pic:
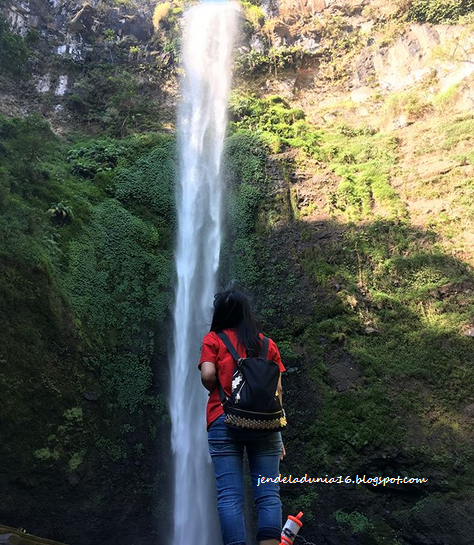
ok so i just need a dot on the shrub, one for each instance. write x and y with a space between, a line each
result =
411 103
96 156
150 182
275 120
439 11
275 60
161 11
254 14
13 51
119 277
125 377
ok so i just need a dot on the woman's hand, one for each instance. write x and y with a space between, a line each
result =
283 451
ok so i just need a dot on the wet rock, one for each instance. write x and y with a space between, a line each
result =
256 44
450 522
19 536
61 87
343 370
73 479
138 25
43 85
92 395
468 410
282 35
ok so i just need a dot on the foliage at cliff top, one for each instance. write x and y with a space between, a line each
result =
438 11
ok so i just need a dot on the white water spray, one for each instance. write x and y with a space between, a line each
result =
207 58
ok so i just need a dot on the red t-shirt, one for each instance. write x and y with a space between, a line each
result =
215 351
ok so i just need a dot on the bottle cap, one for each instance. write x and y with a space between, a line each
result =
297 518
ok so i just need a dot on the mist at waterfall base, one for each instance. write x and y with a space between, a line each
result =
209 31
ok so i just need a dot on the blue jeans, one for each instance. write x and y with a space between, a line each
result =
226 447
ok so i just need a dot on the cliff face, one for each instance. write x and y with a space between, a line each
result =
65 25
349 220
380 51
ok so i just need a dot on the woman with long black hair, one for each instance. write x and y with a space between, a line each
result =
233 316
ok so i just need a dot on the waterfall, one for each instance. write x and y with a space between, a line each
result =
209 31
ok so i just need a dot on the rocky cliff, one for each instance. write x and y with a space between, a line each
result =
350 165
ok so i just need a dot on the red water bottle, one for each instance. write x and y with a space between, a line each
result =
291 529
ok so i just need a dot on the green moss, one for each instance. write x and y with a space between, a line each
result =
113 99
410 103
362 158
364 162
110 449
46 455
275 121
126 378
388 276
357 521
253 14
74 415
459 130
76 460
84 299
274 61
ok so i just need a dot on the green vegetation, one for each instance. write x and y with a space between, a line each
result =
357 521
369 312
364 160
361 157
246 177
254 15
126 378
120 266
340 42
86 275
274 61
439 11
390 275
278 125
13 51
410 103
378 334
113 98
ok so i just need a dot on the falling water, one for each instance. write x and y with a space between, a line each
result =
207 58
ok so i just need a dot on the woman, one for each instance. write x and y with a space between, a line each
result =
233 316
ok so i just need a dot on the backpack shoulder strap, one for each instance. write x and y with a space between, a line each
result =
230 347
264 349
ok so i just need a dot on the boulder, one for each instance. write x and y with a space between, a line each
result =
84 20
19 536
289 9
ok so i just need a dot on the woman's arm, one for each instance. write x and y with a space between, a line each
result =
280 395
208 375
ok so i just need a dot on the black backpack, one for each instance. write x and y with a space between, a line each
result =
253 403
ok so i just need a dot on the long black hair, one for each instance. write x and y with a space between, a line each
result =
232 310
